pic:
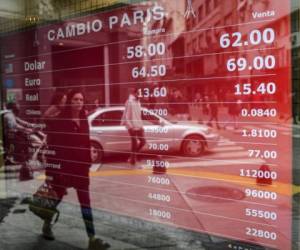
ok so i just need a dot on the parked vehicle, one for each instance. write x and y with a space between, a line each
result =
108 136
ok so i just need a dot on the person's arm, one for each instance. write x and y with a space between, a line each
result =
87 144
51 111
128 115
24 126
123 119
10 120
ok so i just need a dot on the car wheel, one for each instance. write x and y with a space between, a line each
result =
96 152
193 145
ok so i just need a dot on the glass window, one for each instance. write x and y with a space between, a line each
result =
208 6
224 173
149 119
200 13
216 3
110 118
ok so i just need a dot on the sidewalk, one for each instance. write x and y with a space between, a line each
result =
20 229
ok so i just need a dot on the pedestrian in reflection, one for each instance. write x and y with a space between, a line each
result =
197 99
57 104
214 112
171 108
96 103
181 107
71 143
52 113
233 112
14 122
16 131
197 102
132 119
205 106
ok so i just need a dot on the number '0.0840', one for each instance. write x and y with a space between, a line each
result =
259 113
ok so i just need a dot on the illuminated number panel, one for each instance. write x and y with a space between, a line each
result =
214 84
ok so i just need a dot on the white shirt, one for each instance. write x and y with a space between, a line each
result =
9 120
132 116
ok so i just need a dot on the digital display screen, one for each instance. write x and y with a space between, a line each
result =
187 104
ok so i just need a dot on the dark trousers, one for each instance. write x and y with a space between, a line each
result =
214 116
137 142
85 204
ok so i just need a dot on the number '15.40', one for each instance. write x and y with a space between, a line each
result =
249 89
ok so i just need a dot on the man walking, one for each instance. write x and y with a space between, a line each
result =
132 119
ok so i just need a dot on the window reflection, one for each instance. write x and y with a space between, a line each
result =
188 119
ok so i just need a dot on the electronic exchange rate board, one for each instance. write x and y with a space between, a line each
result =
214 82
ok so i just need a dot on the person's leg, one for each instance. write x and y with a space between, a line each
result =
86 211
142 141
217 121
87 215
141 138
226 122
47 226
234 118
134 146
211 117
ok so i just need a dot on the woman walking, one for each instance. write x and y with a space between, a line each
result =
71 143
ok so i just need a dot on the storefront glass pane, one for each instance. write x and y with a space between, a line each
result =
162 124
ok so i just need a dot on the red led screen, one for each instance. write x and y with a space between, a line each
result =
213 82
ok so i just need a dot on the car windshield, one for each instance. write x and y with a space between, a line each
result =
110 118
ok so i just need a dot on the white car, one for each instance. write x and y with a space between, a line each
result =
108 136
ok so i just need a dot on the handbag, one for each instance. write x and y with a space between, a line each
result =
44 203
25 173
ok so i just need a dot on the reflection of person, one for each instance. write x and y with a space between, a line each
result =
198 99
205 105
57 104
53 111
132 119
181 108
70 167
96 103
213 106
16 131
197 107
13 122
233 112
